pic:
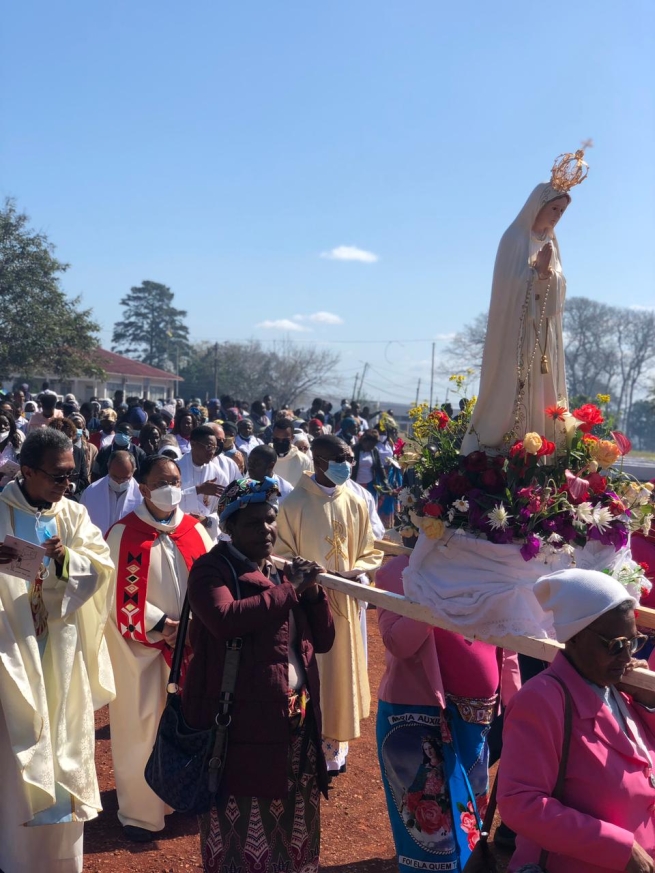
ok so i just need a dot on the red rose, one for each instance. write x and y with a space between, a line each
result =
429 816
413 799
547 448
588 415
597 483
440 418
433 510
516 449
493 480
476 462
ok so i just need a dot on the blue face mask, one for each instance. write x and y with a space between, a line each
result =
122 440
79 432
338 472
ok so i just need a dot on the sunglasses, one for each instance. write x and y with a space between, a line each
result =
616 646
59 478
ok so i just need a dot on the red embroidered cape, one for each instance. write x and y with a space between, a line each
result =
132 572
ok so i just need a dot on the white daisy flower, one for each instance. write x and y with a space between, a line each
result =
461 505
583 512
498 517
554 538
406 497
601 518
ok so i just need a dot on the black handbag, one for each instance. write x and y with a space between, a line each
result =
185 766
482 859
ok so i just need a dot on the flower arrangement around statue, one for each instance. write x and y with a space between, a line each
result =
547 500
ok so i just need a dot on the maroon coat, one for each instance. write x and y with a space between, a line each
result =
259 735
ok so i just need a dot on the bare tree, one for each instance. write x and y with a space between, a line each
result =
466 347
635 339
590 347
248 371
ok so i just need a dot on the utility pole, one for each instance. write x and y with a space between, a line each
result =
215 369
361 384
354 397
418 391
432 376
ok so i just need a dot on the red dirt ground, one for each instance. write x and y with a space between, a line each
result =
356 837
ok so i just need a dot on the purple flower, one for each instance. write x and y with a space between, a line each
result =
524 514
530 549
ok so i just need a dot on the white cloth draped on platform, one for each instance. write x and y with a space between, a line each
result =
484 589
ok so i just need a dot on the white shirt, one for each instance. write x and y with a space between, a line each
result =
376 523
185 445
285 487
293 465
105 507
192 476
246 446
365 469
385 450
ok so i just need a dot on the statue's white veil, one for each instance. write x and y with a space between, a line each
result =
493 416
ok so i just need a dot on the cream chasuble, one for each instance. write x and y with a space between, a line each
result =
335 531
49 689
292 466
142 673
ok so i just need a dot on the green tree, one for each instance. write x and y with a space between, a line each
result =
152 329
41 330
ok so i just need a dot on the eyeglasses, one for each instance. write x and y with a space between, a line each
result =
339 459
59 478
616 646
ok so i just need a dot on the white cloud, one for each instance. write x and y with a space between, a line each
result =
282 324
637 307
320 318
446 337
350 253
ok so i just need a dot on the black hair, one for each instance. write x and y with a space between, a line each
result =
148 463
41 441
13 438
283 424
203 430
267 453
183 413
327 442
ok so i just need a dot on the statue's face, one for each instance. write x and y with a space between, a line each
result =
550 214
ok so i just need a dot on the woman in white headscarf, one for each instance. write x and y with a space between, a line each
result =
523 361
595 811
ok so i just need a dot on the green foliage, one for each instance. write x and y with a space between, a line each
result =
41 330
152 329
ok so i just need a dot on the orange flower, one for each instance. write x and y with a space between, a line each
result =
556 412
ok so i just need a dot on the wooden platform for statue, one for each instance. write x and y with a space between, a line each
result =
544 650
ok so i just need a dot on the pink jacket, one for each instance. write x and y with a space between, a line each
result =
412 675
608 800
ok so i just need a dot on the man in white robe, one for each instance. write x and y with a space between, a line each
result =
115 495
153 549
204 478
291 462
54 666
246 440
323 520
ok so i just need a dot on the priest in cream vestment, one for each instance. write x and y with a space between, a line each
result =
153 549
324 521
54 666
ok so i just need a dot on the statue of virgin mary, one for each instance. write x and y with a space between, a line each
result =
523 369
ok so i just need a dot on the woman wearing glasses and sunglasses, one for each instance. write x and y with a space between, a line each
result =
604 817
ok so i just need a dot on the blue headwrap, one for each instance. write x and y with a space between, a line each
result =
241 492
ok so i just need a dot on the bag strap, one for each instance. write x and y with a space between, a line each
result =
558 790
178 653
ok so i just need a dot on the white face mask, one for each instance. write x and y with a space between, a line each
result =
166 497
118 487
3 435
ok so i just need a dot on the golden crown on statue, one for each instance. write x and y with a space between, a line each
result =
570 169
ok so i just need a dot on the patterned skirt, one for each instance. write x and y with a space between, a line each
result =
260 835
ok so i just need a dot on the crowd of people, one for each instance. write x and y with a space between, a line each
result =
128 506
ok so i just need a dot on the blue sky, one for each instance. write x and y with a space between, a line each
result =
222 148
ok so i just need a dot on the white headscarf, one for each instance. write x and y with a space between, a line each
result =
577 598
493 415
